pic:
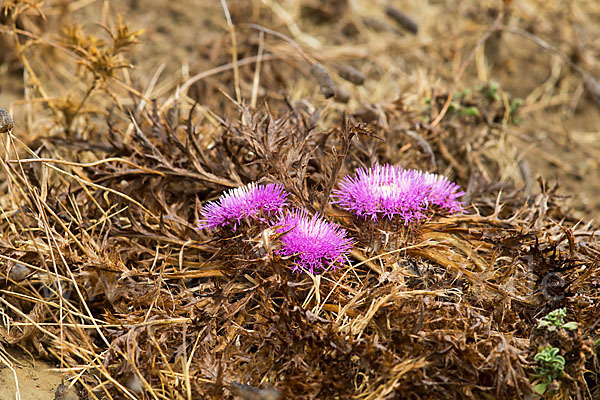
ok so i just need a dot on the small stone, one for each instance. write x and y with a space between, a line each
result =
6 121
341 95
19 272
64 392
247 392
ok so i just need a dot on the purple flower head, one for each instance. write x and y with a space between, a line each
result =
442 192
388 191
317 243
251 201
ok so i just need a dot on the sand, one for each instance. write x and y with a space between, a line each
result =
36 380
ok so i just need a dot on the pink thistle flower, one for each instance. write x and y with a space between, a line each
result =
316 243
388 191
251 201
442 192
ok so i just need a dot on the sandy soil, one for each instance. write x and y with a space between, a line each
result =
36 381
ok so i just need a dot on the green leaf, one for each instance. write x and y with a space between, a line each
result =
514 104
470 112
543 324
570 326
453 106
540 388
492 90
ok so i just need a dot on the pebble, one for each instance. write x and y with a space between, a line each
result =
6 121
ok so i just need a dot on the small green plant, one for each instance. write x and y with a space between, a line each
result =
491 90
551 366
514 105
471 111
555 319
466 93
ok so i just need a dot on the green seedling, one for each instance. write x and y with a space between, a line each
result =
459 94
453 106
469 111
491 90
514 104
551 366
555 320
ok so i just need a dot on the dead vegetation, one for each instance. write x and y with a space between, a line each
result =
104 272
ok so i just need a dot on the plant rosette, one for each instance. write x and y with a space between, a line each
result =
552 331
551 366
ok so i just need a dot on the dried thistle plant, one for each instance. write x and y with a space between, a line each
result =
99 58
